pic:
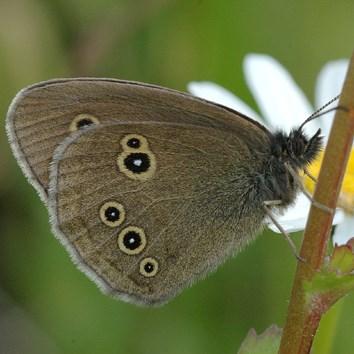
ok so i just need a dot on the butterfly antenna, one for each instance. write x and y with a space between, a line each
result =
321 112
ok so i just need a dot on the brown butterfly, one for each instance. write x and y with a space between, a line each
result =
148 188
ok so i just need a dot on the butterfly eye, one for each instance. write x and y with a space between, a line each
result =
112 213
149 267
132 240
82 121
134 142
137 165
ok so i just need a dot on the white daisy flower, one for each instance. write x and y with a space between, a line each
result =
283 105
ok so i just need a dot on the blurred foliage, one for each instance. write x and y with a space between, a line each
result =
46 304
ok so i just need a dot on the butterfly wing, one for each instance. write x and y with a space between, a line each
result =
146 208
43 115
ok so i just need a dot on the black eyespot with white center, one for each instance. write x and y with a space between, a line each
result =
132 240
112 213
134 143
137 162
149 267
137 165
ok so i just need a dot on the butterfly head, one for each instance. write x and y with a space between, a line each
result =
297 148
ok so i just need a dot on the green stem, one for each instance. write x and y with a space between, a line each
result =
303 317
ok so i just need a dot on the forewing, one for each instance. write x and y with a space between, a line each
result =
43 115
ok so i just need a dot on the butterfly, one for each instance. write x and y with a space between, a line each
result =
150 189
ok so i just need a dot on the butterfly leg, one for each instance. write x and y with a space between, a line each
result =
306 193
272 217
308 174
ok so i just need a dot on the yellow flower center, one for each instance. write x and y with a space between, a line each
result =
346 196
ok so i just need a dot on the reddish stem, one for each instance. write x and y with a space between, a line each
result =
304 316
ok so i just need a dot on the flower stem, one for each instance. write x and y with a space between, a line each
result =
303 315
324 339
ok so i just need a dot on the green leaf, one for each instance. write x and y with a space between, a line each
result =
335 280
265 343
342 259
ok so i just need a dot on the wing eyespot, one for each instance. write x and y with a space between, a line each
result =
132 240
137 165
138 162
82 121
134 142
112 213
148 267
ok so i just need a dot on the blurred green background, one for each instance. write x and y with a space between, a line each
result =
46 304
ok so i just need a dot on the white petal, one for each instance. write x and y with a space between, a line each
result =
329 84
295 218
344 231
280 100
289 226
215 93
